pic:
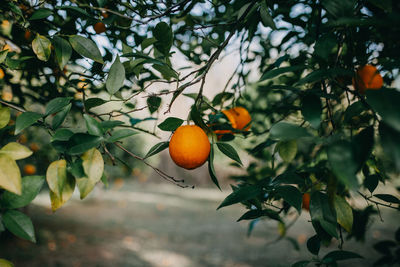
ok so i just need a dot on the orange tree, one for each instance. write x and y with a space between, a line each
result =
325 113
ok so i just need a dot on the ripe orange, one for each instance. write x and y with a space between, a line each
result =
99 27
34 147
1 74
29 169
239 117
7 47
189 147
306 201
367 78
28 35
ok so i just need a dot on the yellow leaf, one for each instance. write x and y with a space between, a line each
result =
56 177
68 190
4 116
93 164
16 151
10 176
6 263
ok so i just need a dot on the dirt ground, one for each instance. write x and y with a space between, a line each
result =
159 225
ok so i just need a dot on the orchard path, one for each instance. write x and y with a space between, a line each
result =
159 225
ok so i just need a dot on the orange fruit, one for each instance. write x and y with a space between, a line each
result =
367 78
29 169
104 14
7 47
239 117
306 201
34 147
99 27
189 147
22 139
28 35
2 74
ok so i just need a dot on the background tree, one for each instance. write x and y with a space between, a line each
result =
325 116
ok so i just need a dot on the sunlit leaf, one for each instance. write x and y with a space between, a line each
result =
10 176
42 47
15 151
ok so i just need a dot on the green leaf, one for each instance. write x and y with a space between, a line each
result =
388 198
275 72
287 150
4 116
19 224
57 104
93 166
62 135
163 33
93 102
76 10
343 165
56 176
390 140
15 151
339 255
321 212
254 214
6 263
86 48
93 126
371 182
353 110
386 103
325 45
314 244
153 103
266 18
15 9
42 47
170 124
157 148
229 151
166 71
363 143
311 109
211 169
3 55
41 13
120 134
291 195
197 118
116 77
344 213
60 116
286 131
31 186
63 51
241 194
83 142
10 176
25 120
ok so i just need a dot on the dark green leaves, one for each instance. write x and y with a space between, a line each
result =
291 195
41 13
371 182
31 186
254 214
57 104
241 194
25 120
314 244
163 33
63 51
288 131
363 144
229 151
116 77
287 150
86 48
344 213
321 212
211 169
19 224
153 103
170 124
157 148
266 18
311 109
386 103
275 72
94 102
339 255
343 165
388 198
